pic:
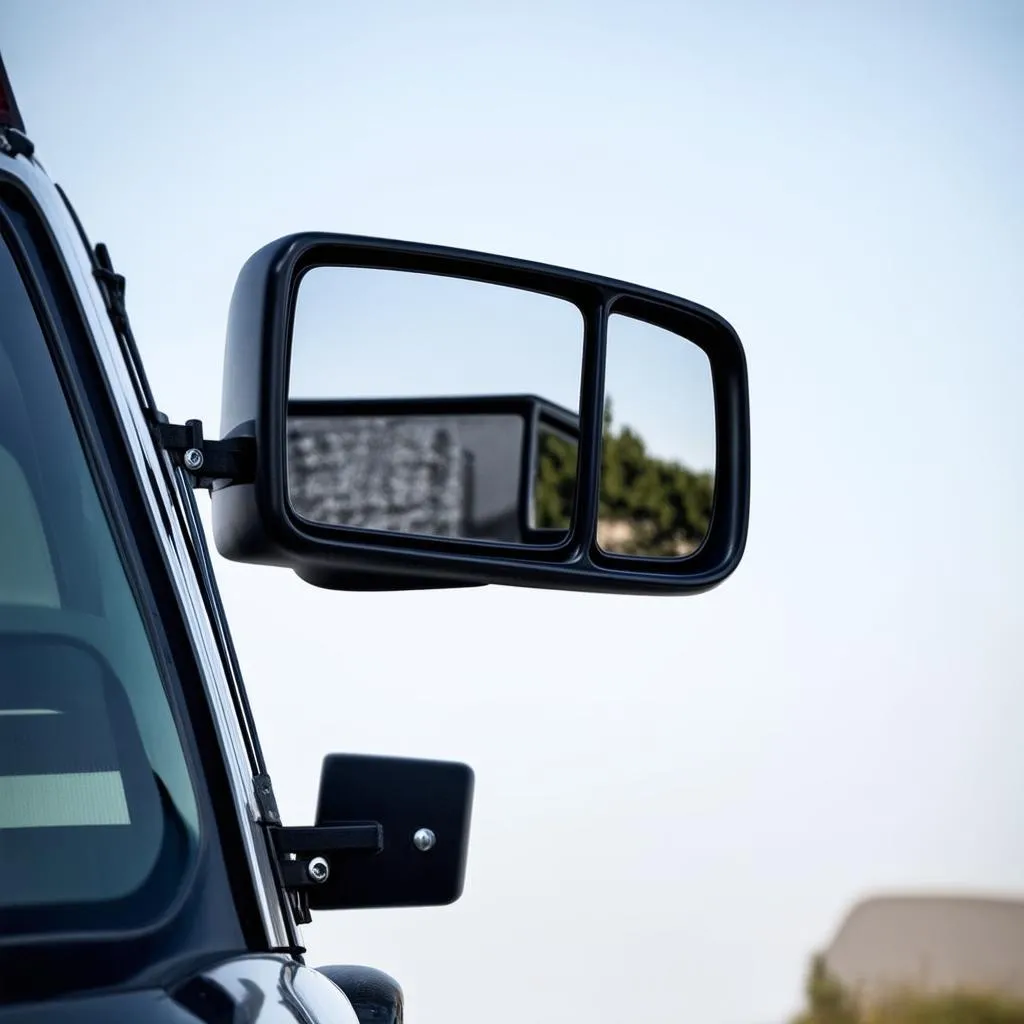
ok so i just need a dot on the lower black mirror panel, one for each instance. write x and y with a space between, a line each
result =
390 832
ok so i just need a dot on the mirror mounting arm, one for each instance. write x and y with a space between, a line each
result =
305 854
230 461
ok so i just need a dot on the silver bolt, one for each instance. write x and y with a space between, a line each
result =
318 869
193 459
423 839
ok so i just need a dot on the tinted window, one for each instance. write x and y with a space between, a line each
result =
98 817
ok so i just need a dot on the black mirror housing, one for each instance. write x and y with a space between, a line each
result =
253 521
389 832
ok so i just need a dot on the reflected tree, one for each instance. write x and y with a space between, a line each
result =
648 506
555 486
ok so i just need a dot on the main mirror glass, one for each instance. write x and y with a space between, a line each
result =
658 451
417 404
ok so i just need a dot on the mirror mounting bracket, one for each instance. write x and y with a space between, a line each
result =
304 856
230 461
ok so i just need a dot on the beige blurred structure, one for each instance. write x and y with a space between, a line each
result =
930 943
404 475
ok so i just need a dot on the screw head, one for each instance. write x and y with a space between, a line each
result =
318 869
193 459
424 839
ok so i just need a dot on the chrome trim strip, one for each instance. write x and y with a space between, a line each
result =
152 473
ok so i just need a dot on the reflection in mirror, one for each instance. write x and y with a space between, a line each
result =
554 486
429 474
658 451
399 414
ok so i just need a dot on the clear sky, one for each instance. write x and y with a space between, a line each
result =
365 333
677 799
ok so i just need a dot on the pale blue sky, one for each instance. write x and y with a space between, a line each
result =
842 182
377 333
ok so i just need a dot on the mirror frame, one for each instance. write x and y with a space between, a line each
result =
253 522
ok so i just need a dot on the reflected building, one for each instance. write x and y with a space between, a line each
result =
380 474
443 476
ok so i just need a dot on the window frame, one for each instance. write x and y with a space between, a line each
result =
214 907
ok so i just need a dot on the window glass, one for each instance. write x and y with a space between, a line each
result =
98 816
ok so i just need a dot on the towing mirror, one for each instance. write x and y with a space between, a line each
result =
431 417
